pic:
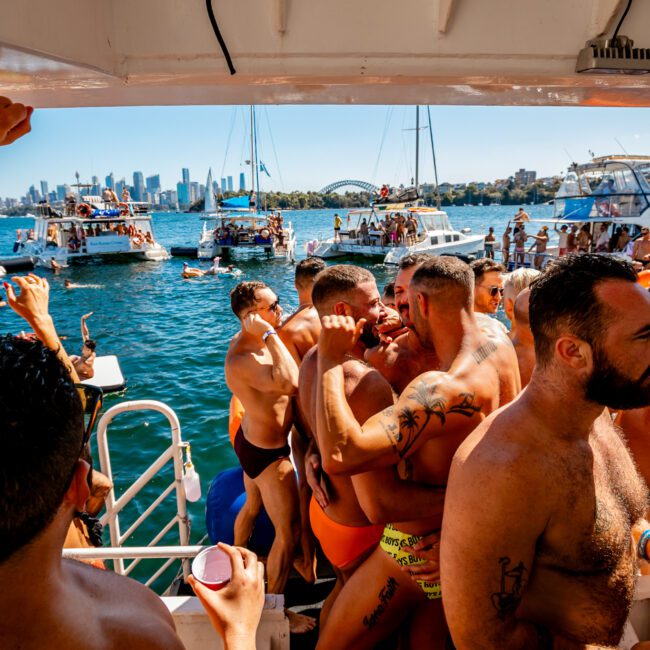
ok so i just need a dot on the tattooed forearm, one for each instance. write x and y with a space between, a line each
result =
466 405
513 581
484 351
386 594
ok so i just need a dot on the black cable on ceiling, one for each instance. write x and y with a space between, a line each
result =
217 33
620 22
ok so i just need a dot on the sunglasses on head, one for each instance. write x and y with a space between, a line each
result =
494 291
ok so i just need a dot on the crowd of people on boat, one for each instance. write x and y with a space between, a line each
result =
426 474
394 229
233 234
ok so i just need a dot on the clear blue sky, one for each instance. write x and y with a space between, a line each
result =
315 145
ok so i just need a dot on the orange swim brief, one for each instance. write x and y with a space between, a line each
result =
341 544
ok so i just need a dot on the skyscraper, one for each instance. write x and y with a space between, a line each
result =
230 184
119 186
186 175
153 183
95 189
138 186
44 189
183 190
224 187
60 192
110 181
242 181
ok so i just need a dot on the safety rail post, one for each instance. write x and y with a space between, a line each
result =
113 506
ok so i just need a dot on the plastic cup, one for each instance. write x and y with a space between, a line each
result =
211 567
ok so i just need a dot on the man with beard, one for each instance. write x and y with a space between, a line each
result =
537 545
348 525
431 418
401 359
263 376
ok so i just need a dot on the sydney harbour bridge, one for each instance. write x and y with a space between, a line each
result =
366 187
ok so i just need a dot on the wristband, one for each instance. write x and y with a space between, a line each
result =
642 548
268 333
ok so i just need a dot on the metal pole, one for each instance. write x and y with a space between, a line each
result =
252 154
435 167
257 164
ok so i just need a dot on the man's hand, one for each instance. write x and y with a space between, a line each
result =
339 335
235 610
14 120
32 301
428 549
255 325
88 315
391 327
314 475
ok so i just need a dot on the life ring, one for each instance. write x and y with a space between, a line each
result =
84 210
124 209
265 233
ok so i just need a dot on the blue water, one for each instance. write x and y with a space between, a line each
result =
171 337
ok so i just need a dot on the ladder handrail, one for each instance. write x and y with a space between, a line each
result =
174 451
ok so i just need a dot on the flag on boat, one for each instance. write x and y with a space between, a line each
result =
264 169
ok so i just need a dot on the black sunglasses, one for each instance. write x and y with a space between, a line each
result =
495 290
92 398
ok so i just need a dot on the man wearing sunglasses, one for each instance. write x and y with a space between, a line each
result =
263 376
488 285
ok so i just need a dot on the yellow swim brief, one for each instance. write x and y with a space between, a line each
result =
392 541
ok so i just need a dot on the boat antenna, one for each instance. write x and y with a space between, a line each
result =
217 33
417 147
573 162
257 165
435 167
621 146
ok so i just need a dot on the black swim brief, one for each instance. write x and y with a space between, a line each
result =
253 459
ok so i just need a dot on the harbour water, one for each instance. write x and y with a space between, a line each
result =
171 336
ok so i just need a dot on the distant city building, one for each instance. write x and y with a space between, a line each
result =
186 175
230 184
110 181
153 183
61 192
44 189
242 181
183 192
94 189
215 187
119 186
224 185
445 188
51 197
525 177
195 191
138 186
33 195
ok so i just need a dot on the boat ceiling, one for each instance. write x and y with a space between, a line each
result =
164 52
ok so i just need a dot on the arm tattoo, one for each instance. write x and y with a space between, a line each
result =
513 582
466 406
484 351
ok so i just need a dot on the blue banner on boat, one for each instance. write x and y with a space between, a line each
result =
105 213
235 202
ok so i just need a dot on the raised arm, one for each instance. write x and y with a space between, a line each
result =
32 304
495 513
85 334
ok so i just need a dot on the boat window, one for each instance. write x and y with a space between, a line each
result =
434 241
447 238
572 185
456 237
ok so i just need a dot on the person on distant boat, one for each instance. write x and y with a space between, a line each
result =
384 192
563 235
601 241
14 120
547 484
337 227
583 239
489 243
520 237
641 248
126 195
623 240
521 216
505 246
263 375
572 240
541 241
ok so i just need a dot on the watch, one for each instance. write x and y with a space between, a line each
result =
268 333
642 548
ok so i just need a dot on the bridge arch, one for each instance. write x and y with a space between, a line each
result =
365 186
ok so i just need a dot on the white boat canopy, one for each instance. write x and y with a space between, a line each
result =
163 52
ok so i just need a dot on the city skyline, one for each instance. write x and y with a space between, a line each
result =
306 147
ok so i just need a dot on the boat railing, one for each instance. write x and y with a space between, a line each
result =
115 506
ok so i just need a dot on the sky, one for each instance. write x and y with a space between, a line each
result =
308 147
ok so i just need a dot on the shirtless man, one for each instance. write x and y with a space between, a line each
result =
403 357
348 526
299 333
513 284
431 418
522 337
263 376
505 246
84 364
641 248
488 285
541 241
547 484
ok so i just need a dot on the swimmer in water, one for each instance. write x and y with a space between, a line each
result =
69 284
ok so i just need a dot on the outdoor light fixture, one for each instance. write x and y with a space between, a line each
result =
613 56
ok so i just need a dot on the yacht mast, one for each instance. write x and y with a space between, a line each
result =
435 167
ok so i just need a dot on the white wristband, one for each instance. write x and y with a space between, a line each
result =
268 333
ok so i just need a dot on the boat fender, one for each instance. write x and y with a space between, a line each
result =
84 210
226 497
124 209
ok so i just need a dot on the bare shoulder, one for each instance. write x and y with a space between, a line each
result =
128 613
